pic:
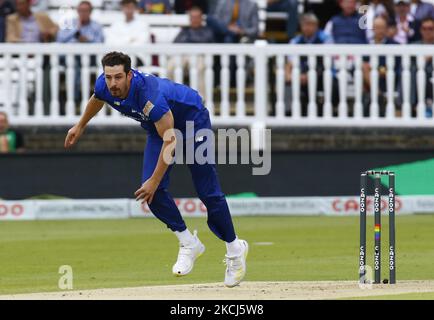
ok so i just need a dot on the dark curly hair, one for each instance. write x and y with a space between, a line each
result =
115 59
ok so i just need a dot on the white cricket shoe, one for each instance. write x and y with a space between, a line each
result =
186 257
236 266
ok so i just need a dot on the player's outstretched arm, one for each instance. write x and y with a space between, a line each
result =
93 107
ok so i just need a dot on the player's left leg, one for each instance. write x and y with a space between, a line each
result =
220 221
208 188
162 206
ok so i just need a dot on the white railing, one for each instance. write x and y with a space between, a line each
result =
36 88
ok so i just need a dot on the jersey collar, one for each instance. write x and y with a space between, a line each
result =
132 86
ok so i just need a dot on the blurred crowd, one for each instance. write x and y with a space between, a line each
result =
237 21
227 21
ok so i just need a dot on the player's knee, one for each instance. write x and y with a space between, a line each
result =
213 201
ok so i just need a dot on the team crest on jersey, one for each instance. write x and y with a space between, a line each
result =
148 107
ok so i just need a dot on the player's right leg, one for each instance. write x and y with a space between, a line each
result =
164 208
190 247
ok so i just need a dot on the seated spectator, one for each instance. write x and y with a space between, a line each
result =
10 140
183 6
380 37
195 33
377 8
155 6
26 26
420 10
81 30
129 31
235 21
310 34
344 28
427 31
427 38
291 8
6 8
404 29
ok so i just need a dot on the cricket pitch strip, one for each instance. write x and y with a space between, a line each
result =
248 290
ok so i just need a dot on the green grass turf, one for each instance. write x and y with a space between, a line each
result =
137 252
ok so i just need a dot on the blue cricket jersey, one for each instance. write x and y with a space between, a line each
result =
150 97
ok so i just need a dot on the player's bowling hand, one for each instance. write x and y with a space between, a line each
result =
146 191
73 135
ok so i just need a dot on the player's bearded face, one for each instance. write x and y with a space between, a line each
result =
117 81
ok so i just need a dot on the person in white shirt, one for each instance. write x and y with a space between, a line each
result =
374 9
405 28
131 30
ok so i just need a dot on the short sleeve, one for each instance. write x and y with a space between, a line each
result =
158 108
151 99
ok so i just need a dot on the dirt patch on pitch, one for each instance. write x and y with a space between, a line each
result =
246 291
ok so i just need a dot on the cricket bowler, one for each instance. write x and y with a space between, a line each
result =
161 106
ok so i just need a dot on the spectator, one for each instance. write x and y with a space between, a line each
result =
10 140
235 21
183 6
380 26
129 31
155 6
426 31
291 8
427 38
6 8
344 28
374 9
404 29
420 10
82 30
310 34
26 26
195 33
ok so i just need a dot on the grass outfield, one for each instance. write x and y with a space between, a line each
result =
138 252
